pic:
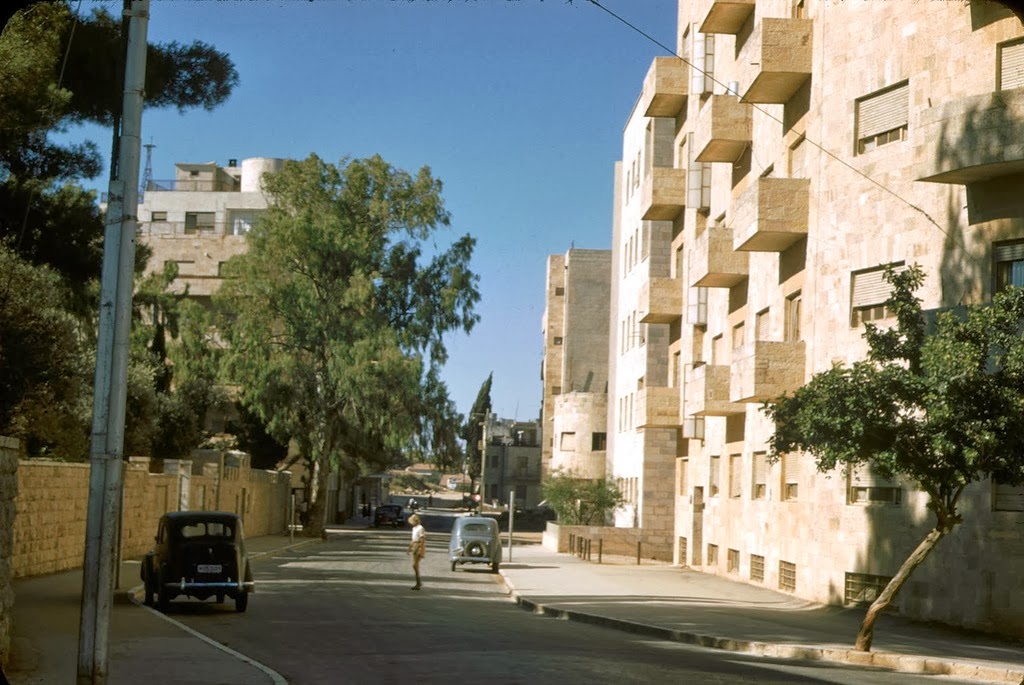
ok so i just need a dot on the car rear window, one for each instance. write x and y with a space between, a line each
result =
206 529
475 527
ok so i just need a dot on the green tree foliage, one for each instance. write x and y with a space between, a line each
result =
580 501
472 431
335 318
938 404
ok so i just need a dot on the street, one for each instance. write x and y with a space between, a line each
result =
343 612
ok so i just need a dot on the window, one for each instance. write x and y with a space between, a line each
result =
787 576
717 350
1007 497
762 325
760 485
243 221
712 555
862 588
882 117
199 222
792 323
867 487
1011 65
558 340
697 307
599 442
732 561
223 270
790 470
522 467
868 294
158 216
559 292
521 491
757 568
737 336
186 267
716 468
567 442
703 62
675 378
798 158
1009 264
698 179
682 551
556 390
735 473
684 474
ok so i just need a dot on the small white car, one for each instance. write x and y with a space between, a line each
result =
475 540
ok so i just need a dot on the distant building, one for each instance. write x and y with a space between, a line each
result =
575 371
511 462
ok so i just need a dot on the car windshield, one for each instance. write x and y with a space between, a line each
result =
206 529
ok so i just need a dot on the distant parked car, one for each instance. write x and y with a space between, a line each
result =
198 554
475 540
388 514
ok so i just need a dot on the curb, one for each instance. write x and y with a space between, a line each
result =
890 661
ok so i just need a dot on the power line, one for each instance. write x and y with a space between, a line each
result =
952 237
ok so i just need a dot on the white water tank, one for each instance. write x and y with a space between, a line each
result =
253 170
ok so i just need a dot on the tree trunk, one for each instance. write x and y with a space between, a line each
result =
867 628
318 501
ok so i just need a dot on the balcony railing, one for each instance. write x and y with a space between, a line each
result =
707 391
182 228
724 129
713 261
661 300
657 408
726 16
663 193
776 60
764 370
665 88
771 214
207 185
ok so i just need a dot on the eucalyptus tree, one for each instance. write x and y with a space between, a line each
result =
937 403
335 316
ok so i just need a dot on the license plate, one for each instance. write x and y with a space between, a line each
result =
208 568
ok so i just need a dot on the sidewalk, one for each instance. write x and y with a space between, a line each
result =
653 599
672 603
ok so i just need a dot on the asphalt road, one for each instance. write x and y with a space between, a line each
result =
343 612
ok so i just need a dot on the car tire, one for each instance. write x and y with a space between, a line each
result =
453 567
148 601
242 601
163 599
220 598
494 567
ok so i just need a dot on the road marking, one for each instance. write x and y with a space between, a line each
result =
274 676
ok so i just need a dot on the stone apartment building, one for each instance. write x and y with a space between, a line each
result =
575 371
768 176
200 218
512 462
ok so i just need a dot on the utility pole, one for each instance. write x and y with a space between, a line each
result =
109 396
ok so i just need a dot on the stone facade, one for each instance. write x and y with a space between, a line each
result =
512 462
825 141
8 494
576 355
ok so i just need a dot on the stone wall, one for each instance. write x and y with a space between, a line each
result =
8 492
50 508
611 540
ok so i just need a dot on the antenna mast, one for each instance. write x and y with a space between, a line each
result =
147 174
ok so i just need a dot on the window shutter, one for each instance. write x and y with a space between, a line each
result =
870 288
1011 65
735 473
883 111
790 468
1007 497
1009 252
760 468
863 476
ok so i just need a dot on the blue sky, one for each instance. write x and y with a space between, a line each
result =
516 105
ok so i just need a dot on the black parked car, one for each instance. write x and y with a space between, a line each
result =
198 554
389 514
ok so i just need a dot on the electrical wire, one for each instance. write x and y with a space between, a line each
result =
771 116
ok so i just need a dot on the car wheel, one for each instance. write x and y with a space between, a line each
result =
149 592
494 567
163 599
242 601
220 598
453 567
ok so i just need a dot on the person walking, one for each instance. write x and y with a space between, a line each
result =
417 547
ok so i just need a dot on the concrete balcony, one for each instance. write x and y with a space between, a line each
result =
666 87
723 130
661 300
725 17
707 392
764 370
713 261
662 193
657 408
972 139
771 214
776 60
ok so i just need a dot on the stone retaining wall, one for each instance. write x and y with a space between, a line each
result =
612 541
